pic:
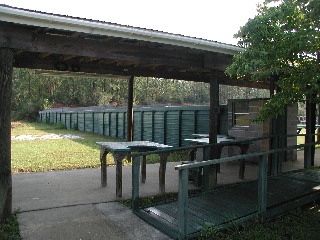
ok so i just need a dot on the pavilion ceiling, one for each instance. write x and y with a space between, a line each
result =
54 49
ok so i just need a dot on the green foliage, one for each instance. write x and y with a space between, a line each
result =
10 229
33 93
282 45
29 110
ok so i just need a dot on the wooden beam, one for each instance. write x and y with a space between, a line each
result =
6 70
19 38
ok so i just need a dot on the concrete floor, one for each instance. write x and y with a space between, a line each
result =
72 204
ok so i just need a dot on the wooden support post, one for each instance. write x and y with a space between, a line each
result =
313 109
262 184
183 203
130 110
135 183
308 138
6 69
273 142
213 127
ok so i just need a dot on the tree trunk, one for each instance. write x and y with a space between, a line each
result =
6 67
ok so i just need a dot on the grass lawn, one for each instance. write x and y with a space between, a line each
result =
61 154
54 154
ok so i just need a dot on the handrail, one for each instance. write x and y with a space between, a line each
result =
228 159
262 183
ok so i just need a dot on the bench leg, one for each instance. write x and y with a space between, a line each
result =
162 171
103 161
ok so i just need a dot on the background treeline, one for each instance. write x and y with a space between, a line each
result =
33 92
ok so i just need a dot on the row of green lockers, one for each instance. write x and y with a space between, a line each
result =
167 125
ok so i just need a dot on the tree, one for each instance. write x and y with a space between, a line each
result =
281 44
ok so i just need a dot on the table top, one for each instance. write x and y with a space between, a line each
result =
206 140
128 146
205 135
304 126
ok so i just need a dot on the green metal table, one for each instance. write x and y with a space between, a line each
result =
244 146
120 150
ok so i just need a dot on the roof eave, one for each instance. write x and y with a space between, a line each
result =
32 18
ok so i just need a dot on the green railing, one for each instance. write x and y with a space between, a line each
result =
205 164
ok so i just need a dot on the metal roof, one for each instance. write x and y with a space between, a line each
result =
67 23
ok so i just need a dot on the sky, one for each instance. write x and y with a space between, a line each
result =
216 20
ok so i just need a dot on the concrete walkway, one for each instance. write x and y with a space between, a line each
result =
73 205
